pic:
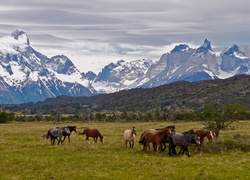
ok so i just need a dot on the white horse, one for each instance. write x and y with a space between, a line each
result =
129 136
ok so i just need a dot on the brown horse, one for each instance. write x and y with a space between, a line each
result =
142 137
92 132
202 134
156 138
205 133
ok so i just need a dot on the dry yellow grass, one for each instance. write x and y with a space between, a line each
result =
25 156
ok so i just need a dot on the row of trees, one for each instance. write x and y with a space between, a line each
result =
214 116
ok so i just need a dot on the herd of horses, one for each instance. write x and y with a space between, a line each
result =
157 137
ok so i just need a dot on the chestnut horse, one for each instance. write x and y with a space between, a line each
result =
156 138
205 133
142 137
92 132
202 134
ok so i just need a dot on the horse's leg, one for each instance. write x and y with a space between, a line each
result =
174 151
155 147
160 146
188 154
164 146
63 138
87 138
181 151
59 140
52 140
147 146
170 149
144 145
199 148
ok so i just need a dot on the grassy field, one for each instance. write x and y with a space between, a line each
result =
25 156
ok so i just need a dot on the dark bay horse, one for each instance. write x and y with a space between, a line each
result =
92 132
57 134
182 140
156 137
142 137
71 129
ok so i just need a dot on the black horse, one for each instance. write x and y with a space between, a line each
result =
71 128
59 132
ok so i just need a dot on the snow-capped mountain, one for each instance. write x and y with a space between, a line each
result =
29 76
121 75
234 61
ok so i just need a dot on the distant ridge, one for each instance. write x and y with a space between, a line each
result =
175 97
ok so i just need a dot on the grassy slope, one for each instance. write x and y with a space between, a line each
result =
24 156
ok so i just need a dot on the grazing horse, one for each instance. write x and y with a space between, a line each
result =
71 128
57 134
142 138
156 138
92 132
182 140
129 136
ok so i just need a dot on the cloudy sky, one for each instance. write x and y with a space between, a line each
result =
97 32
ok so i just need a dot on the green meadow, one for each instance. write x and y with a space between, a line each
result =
25 156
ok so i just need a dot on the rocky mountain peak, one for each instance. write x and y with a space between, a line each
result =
234 50
20 34
205 47
180 48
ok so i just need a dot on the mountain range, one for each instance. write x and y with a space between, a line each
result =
29 76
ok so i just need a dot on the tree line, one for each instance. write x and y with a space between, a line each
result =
214 116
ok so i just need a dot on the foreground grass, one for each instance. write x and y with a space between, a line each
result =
24 156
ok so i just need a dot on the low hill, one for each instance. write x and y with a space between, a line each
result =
178 96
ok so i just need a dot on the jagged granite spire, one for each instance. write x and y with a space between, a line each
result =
205 47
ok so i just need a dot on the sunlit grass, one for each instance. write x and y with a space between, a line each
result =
25 156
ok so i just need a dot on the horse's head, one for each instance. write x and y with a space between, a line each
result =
172 128
196 138
210 136
133 131
168 130
72 128
102 139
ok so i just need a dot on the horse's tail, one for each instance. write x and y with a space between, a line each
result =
48 134
142 140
